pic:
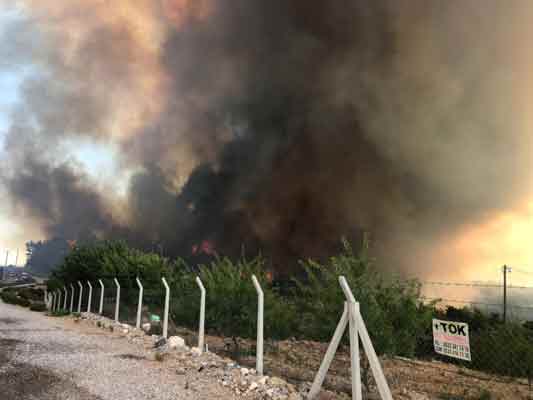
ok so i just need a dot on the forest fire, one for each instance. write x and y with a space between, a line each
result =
205 247
274 126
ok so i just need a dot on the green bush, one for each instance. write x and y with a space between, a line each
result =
392 310
231 303
39 306
31 294
23 302
11 297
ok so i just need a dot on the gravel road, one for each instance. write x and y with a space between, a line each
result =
49 358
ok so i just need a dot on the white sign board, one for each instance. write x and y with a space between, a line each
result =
451 339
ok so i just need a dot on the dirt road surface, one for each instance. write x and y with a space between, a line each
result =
47 358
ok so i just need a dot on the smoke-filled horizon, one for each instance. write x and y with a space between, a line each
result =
273 126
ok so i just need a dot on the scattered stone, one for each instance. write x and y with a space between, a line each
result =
418 396
160 343
195 351
176 341
275 381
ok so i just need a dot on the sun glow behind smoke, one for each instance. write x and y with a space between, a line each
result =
479 251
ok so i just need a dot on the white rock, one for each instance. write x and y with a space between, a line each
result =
245 371
146 327
275 381
263 380
253 386
418 396
195 351
176 341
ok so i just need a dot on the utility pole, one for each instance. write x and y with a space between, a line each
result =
505 270
5 266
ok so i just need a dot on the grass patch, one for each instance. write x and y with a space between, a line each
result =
39 307
59 313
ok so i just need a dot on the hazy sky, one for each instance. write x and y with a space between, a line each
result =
8 96
97 159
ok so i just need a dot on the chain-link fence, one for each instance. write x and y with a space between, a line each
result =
501 352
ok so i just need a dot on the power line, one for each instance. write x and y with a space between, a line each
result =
473 284
473 302
522 271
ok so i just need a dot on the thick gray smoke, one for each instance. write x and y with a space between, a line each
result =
277 126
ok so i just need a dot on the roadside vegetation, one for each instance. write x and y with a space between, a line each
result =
25 297
306 307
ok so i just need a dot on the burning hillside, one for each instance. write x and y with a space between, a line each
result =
272 126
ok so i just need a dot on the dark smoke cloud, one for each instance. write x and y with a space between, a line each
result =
283 125
60 201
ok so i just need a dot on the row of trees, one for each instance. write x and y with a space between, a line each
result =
306 307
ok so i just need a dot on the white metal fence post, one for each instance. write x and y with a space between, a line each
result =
81 293
375 366
260 310
117 305
101 308
355 360
373 360
90 296
53 301
330 354
72 298
167 301
65 300
352 315
201 328
139 303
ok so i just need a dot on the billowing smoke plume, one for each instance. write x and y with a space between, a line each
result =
275 126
